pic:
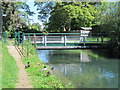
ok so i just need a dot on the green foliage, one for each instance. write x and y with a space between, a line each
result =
9 69
110 24
65 16
14 15
71 16
28 48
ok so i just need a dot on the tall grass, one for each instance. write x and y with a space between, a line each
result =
9 69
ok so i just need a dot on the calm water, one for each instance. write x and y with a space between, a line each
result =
82 69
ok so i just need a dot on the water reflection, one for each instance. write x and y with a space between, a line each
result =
81 69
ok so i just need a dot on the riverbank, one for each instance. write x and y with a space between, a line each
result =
39 78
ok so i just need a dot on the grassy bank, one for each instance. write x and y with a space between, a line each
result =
39 78
0 65
9 69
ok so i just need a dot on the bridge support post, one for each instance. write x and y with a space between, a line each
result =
45 40
65 40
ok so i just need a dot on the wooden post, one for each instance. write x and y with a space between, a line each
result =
34 40
65 40
44 40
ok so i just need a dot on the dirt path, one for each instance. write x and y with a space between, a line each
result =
23 81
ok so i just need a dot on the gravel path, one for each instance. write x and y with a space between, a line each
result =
23 81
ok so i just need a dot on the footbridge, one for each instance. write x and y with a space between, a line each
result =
66 40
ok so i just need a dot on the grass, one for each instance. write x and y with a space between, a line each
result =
0 65
9 69
39 79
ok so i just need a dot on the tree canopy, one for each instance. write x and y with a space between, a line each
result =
66 16
16 15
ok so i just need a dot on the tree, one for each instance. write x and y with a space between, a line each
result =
38 26
64 16
110 24
67 15
14 15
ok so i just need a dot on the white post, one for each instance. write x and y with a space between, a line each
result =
65 40
24 38
44 40
62 39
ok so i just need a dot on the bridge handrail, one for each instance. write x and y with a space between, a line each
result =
62 33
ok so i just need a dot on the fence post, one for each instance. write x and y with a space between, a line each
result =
18 38
22 41
15 38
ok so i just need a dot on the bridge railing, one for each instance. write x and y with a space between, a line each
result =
64 38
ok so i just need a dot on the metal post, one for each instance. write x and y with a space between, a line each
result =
28 45
15 38
65 40
22 41
18 38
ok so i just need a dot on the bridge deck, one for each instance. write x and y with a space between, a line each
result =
70 47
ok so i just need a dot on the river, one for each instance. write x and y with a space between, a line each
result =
82 68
